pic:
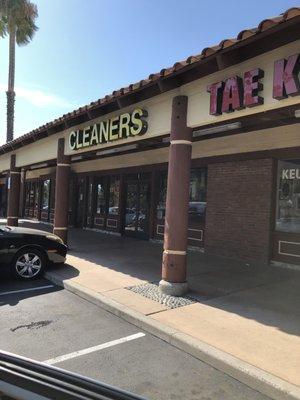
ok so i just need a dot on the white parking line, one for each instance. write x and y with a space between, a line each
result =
78 353
27 290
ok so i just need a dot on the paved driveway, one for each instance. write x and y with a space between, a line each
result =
251 312
44 322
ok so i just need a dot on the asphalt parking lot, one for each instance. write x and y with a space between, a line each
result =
47 323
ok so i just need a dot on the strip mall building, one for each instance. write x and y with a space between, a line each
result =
205 153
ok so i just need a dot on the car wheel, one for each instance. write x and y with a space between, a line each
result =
28 264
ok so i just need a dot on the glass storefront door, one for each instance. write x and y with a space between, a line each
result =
137 204
3 200
81 203
197 206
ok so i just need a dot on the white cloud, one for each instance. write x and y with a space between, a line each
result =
40 98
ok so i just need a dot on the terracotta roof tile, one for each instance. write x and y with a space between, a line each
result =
227 43
246 33
206 52
269 23
291 13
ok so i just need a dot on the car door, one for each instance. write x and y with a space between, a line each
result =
4 256
10 243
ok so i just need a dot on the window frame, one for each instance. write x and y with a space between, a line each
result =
105 189
118 178
280 167
42 195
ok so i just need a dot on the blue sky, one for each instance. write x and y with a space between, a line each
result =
86 49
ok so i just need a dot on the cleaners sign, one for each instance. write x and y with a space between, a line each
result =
235 92
110 130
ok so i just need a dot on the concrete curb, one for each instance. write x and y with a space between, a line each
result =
251 376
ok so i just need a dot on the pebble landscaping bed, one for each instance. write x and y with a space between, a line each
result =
152 292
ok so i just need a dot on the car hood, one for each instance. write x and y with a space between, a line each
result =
26 231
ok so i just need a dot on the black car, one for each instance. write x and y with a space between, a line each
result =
28 251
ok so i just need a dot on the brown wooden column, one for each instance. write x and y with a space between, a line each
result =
62 192
176 221
13 193
22 192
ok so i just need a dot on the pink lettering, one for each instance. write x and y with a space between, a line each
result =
286 82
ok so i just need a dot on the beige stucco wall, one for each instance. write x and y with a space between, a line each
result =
123 161
199 99
266 139
4 162
39 151
159 121
39 172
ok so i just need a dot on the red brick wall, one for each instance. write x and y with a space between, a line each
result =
239 209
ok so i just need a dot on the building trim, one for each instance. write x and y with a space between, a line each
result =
248 44
173 142
175 252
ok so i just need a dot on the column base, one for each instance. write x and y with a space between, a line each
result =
62 233
12 221
172 288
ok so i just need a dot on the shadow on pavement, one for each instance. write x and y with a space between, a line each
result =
13 291
266 294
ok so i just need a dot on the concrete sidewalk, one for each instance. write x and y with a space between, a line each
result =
254 353
246 314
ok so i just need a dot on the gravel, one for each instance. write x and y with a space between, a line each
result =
152 291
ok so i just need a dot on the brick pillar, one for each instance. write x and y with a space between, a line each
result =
176 221
13 193
62 192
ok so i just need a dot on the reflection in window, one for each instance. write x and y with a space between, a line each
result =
288 197
27 196
197 202
162 195
36 194
31 195
45 195
90 197
71 195
197 196
114 192
100 198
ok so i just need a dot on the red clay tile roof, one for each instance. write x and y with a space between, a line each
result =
165 72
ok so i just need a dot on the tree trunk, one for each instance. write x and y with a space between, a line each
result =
11 87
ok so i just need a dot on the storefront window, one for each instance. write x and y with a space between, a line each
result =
288 197
90 197
36 194
162 195
100 197
197 203
27 198
71 195
46 195
114 192
31 195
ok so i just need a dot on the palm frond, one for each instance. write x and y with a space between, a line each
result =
20 16
3 26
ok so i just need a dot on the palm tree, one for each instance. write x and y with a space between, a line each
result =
17 19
